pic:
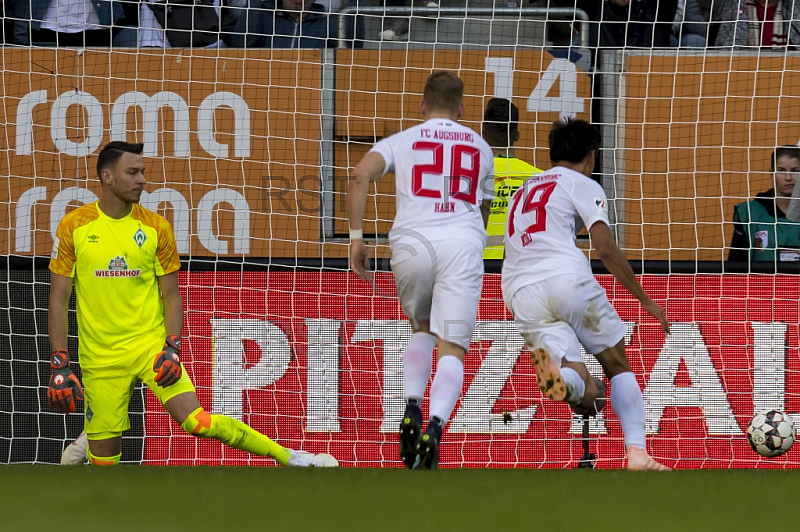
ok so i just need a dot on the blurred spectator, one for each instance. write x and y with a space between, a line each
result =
333 6
762 231
396 28
76 23
562 32
8 21
633 23
690 28
755 23
130 13
186 23
287 24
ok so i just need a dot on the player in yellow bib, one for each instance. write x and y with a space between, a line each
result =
500 130
123 262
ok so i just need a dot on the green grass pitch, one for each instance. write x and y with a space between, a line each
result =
37 497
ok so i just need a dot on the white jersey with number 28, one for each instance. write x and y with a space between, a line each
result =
540 228
443 172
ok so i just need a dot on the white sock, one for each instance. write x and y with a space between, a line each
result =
417 364
575 385
628 404
446 386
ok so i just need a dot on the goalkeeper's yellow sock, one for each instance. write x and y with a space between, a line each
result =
234 433
102 460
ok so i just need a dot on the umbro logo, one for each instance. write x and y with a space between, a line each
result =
94 239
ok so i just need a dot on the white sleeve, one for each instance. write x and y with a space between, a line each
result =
384 149
591 203
486 184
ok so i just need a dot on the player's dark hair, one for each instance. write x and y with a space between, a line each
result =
443 92
784 151
500 123
572 140
112 151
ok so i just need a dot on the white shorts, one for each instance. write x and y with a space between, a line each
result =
440 282
557 313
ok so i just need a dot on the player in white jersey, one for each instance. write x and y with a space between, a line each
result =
556 301
444 189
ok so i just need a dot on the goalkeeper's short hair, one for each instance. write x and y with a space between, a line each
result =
500 123
112 151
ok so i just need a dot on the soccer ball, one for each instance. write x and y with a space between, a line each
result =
771 433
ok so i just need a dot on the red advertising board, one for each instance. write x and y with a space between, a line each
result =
314 361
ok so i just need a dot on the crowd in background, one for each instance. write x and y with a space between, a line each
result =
699 23
309 24
690 24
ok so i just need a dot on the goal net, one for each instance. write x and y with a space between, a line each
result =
248 153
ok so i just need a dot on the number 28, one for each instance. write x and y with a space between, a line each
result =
457 175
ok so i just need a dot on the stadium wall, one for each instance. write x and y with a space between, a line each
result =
248 150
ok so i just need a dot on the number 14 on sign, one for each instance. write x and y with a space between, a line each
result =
560 74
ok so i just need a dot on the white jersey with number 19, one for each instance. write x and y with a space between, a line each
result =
443 172
541 226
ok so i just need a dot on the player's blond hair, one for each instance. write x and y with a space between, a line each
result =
443 92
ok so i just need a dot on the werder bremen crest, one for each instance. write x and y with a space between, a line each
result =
139 237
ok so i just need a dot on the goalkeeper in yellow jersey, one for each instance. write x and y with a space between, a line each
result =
124 265
500 130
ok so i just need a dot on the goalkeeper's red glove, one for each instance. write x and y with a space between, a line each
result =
168 363
64 387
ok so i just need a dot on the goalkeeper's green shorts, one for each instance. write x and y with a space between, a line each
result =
108 390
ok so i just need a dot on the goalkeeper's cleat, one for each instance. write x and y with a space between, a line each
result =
75 452
639 460
428 446
306 459
324 460
410 429
551 383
